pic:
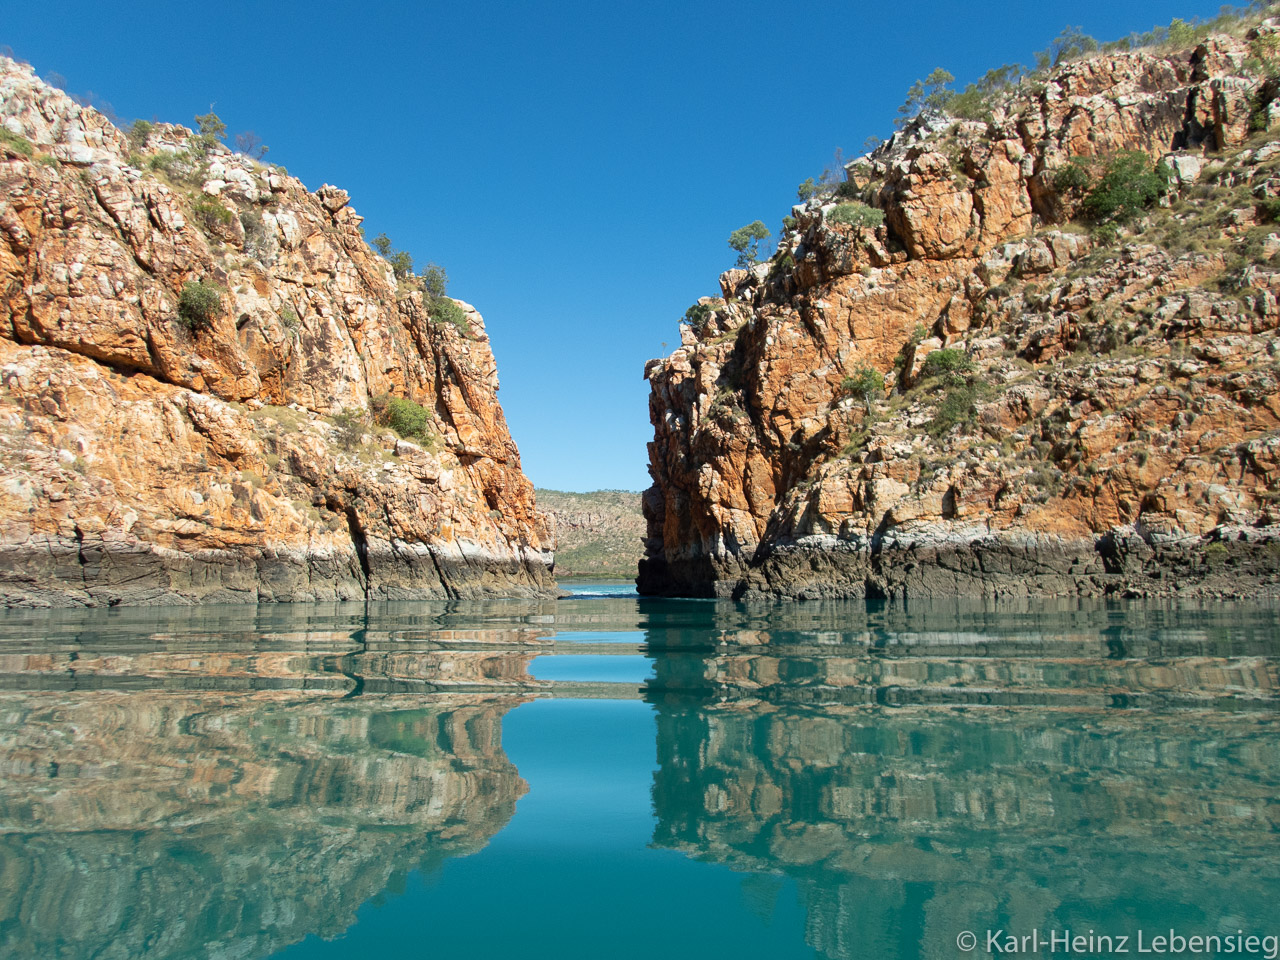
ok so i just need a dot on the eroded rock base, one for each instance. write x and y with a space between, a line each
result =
1230 562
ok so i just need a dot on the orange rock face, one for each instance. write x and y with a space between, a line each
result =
1105 417
146 458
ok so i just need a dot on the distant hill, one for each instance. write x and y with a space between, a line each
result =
598 534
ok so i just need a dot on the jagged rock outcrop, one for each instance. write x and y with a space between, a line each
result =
1108 417
145 459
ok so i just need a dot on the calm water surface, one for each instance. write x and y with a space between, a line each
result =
606 776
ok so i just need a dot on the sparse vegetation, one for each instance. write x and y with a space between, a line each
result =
957 407
138 133
179 166
15 143
257 242
444 310
949 364
1071 44
866 383
1073 176
598 534
199 304
400 260
856 215
211 214
251 145
808 189
350 426
210 131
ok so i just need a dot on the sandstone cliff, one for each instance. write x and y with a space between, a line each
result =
1102 415
152 455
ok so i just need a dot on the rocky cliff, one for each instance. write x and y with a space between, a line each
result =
1072 401
190 343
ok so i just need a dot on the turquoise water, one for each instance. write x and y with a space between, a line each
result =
610 776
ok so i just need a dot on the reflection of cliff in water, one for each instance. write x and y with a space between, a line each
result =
905 825
160 823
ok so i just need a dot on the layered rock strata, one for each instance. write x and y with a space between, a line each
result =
1106 419
145 459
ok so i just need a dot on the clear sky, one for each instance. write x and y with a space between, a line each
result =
576 166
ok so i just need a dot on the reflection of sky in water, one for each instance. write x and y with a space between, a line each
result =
590 668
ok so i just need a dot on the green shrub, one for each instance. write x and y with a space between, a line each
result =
256 237
401 264
199 304
211 214
139 132
1129 185
780 266
17 144
969 104
405 417
444 310
1106 235
1073 176
1269 210
856 215
789 223
1259 112
289 318
866 382
848 190
698 315
957 407
948 363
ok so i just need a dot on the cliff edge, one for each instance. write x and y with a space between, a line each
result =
190 345
1030 352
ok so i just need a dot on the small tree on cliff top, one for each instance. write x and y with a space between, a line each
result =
929 95
746 241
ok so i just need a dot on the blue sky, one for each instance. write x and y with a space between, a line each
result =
576 166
